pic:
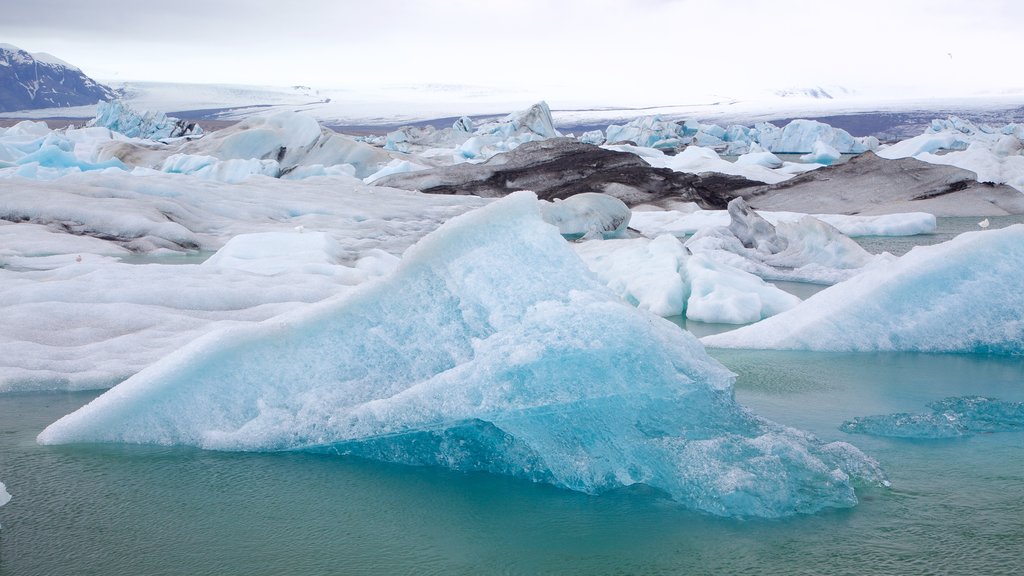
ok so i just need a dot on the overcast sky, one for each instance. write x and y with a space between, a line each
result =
620 46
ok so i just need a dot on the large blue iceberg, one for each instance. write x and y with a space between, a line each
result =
961 296
491 348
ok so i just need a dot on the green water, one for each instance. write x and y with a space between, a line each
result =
955 507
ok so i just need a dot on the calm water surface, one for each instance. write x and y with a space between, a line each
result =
955 506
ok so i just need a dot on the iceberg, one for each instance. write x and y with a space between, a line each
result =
587 215
949 418
959 296
662 277
120 117
490 348
807 250
801 136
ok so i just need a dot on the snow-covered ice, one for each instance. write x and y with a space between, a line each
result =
959 296
490 348
100 272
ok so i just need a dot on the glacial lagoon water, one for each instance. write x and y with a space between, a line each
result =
956 506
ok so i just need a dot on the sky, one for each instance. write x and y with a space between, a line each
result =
654 48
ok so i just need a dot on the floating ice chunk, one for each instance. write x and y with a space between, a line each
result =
595 137
120 117
807 250
646 132
394 167
653 223
923 143
800 137
491 348
949 418
645 273
659 275
696 159
762 158
590 215
5 496
822 153
269 253
722 294
959 296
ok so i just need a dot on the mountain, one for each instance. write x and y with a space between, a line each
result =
29 81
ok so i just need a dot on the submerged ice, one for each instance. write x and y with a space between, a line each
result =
949 418
490 348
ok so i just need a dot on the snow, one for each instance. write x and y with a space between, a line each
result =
959 296
491 348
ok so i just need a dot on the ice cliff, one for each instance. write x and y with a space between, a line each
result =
491 348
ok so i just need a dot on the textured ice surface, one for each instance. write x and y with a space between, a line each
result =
807 250
589 215
491 348
661 276
995 154
120 117
949 418
76 312
5 497
959 296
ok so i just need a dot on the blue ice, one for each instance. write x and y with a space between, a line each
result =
491 348
949 418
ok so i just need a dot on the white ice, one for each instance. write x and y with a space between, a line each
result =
587 215
959 296
103 277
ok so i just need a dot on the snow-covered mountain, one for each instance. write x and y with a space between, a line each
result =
30 81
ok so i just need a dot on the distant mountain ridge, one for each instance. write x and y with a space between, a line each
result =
30 81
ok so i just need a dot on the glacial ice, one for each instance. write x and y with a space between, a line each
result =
959 296
491 348
995 155
822 153
587 215
807 250
949 418
118 116
677 222
660 276
5 496
99 274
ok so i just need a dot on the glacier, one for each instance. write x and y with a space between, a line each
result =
959 296
490 348
954 417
